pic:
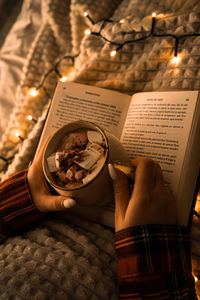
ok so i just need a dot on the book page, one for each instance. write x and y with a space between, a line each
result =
73 101
158 126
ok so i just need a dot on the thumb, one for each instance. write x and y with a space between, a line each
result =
56 203
121 193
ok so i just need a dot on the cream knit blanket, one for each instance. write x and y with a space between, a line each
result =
59 261
141 66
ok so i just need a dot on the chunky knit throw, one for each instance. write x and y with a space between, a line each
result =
72 259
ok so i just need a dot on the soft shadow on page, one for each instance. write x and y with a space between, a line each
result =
190 173
159 126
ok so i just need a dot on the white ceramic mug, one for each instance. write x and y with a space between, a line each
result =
99 190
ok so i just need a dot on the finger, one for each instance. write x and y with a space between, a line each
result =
151 168
57 203
37 162
145 175
121 193
159 175
41 152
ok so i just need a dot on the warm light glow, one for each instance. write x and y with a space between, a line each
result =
175 60
64 78
87 32
122 21
195 278
18 135
33 92
85 14
153 14
30 118
113 53
15 138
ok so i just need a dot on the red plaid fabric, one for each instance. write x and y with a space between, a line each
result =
17 210
154 263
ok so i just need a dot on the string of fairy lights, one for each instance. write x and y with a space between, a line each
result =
176 58
34 91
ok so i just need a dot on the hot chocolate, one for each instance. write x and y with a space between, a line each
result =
78 159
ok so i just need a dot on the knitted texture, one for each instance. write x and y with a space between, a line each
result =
141 66
59 260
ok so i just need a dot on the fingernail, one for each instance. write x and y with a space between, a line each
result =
69 202
112 172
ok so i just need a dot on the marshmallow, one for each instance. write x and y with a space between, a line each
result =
94 137
87 158
62 176
79 175
59 157
51 161
94 172
96 148
73 139
71 172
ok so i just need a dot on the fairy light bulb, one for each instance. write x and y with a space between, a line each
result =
122 21
113 53
195 278
153 14
30 118
17 134
175 60
33 92
87 32
64 78
85 14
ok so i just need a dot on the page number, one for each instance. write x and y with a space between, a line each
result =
187 99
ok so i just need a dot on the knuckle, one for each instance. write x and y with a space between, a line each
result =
57 204
149 164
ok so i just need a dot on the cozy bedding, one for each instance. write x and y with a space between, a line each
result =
64 257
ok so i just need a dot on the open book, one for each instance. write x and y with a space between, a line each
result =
164 126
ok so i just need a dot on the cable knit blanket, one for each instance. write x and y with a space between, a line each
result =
70 259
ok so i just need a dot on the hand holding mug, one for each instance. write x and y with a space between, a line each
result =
151 201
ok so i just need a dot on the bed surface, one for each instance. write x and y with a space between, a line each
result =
37 35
